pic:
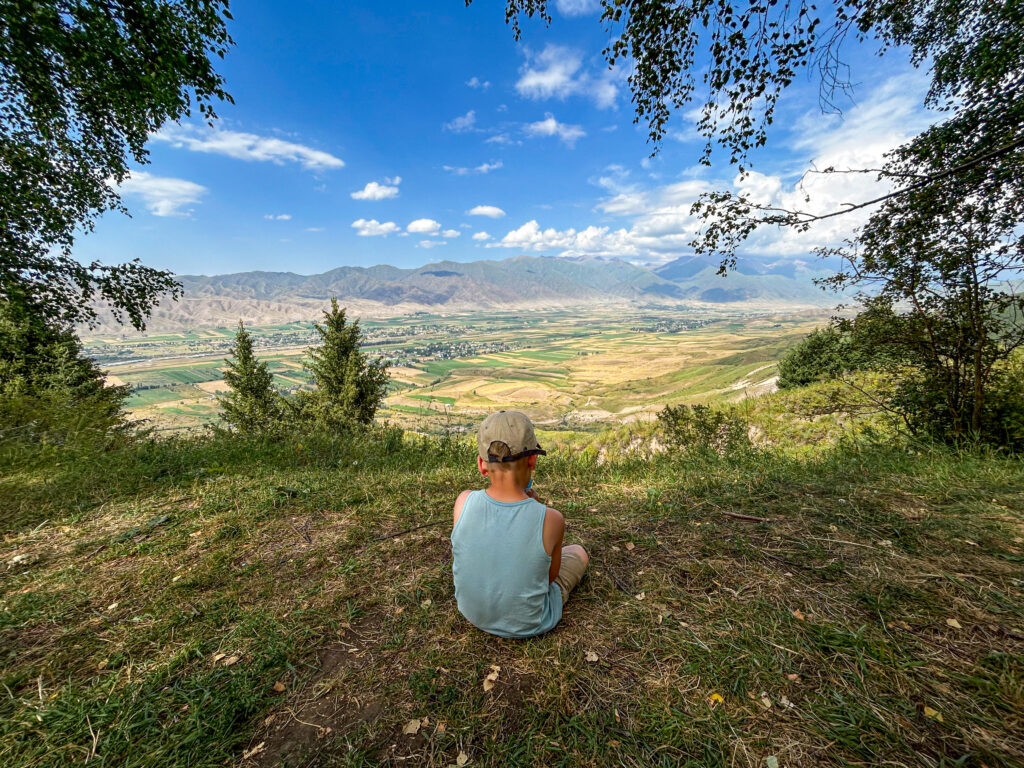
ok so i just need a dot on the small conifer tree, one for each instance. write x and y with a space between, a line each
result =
253 404
350 387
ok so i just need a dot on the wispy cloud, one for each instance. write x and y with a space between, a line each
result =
483 168
432 243
162 195
375 191
557 72
660 226
577 7
451 233
246 146
374 228
463 124
549 126
491 211
277 216
476 82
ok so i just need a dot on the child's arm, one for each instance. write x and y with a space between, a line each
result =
554 533
459 503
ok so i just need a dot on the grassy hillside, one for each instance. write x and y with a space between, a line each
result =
214 602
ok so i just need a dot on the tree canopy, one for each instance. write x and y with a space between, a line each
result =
83 83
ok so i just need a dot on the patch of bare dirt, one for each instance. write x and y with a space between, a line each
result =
325 707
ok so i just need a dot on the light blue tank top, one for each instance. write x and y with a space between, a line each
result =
501 568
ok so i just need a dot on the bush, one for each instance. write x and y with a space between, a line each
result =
824 354
49 389
704 429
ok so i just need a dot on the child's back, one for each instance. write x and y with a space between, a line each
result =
501 567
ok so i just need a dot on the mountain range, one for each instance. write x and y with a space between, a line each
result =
520 282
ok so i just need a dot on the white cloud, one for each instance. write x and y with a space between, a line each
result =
431 243
491 211
476 82
246 146
660 226
162 195
423 227
483 168
577 7
557 73
481 236
375 191
452 233
314 229
502 138
374 228
549 126
278 217
463 124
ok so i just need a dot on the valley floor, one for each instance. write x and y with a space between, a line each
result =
202 603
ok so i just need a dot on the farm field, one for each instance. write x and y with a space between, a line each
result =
567 370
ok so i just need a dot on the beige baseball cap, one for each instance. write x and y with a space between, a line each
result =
512 428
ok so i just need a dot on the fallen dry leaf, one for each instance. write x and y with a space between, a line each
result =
491 677
793 677
217 657
932 714
441 728
462 759
630 546
591 657
246 754
411 728
765 701
953 623
641 596
230 660
798 615
278 687
426 603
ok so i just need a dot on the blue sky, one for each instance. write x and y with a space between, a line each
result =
407 132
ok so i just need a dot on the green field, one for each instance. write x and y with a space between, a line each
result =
566 368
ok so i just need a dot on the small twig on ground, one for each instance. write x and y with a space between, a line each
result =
408 530
170 501
617 581
303 534
748 518
96 551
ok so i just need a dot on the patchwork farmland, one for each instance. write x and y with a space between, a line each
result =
568 370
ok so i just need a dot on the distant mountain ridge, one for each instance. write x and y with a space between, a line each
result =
519 282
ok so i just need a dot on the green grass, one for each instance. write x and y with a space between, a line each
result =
824 632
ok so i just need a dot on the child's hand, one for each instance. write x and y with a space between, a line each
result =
532 494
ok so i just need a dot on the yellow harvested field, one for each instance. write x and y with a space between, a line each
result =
214 386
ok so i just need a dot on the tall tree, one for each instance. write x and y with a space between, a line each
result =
253 405
49 388
83 84
350 387
950 232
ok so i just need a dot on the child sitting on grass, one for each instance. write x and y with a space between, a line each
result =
512 574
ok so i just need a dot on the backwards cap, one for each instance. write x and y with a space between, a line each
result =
513 429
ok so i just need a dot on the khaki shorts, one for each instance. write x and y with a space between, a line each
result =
569 572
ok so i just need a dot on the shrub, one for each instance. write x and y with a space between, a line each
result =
704 429
49 389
